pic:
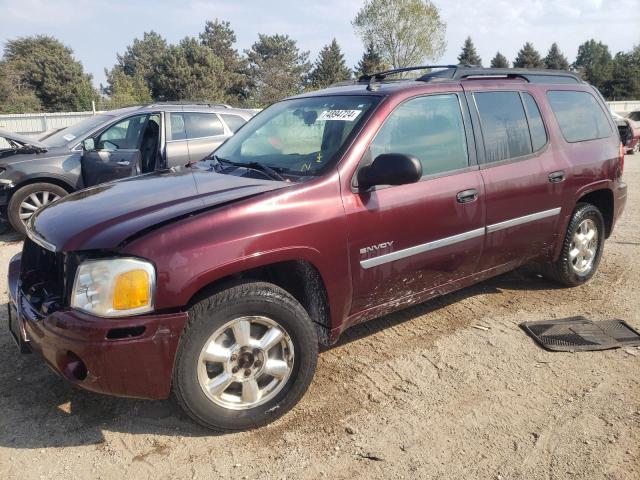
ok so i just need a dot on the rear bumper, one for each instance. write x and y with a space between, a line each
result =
81 348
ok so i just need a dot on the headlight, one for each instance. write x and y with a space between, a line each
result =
114 287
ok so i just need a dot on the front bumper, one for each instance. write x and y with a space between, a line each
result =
619 201
129 356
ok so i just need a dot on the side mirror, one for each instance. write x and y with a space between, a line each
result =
390 169
89 144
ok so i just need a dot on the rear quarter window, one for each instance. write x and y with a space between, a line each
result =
234 122
579 115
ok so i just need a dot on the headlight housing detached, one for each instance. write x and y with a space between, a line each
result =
114 287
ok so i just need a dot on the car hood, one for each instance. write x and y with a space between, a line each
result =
104 216
22 139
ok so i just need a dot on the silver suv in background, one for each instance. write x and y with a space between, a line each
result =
109 146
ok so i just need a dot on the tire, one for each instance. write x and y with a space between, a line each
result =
566 270
251 302
45 193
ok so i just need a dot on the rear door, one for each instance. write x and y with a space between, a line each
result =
177 148
406 239
205 133
523 177
115 153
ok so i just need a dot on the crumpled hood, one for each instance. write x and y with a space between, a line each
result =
104 216
22 139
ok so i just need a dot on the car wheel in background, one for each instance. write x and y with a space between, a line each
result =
246 357
28 200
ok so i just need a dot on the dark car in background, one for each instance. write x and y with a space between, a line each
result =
109 146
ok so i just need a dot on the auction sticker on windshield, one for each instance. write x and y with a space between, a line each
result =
344 115
68 137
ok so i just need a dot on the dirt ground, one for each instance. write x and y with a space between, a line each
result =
422 393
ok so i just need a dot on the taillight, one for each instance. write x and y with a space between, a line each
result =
621 161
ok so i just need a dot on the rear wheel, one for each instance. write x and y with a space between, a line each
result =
28 200
581 250
246 357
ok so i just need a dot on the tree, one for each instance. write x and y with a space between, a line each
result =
469 56
330 67
142 58
127 90
595 64
190 71
625 83
371 62
277 68
528 57
220 38
16 96
47 68
404 32
555 60
499 61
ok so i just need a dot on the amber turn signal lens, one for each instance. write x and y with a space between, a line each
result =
131 290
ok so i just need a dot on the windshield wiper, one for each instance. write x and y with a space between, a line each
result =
260 167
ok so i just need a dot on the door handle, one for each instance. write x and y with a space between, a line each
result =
124 163
556 177
467 196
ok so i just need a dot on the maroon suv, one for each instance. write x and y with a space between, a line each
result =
218 280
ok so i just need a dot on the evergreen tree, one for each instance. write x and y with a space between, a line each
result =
555 60
595 65
371 62
220 38
277 68
127 90
190 71
47 68
528 57
142 58
499 61
625 84
469 56
330 67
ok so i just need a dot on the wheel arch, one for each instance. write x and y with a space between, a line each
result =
603 200
300 278
52 179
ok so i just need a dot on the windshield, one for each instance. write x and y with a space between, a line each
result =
297 138
75 132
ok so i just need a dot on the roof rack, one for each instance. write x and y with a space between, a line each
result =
464 72
203 104
393 71
472 72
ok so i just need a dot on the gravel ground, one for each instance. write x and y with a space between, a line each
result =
418 394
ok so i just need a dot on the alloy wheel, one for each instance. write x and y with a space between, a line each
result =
245 363
584 246
35 202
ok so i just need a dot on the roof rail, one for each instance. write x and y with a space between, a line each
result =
385 73
180 102
530 75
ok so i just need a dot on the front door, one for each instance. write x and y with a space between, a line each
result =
406 239
116 152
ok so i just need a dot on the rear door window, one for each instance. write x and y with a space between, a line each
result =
536 126
504 125
200 125
178 127
579 115
234 122
430 128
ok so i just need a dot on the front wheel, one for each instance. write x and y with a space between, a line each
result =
28 200
247 356
581 250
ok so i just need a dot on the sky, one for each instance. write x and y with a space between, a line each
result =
97 30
